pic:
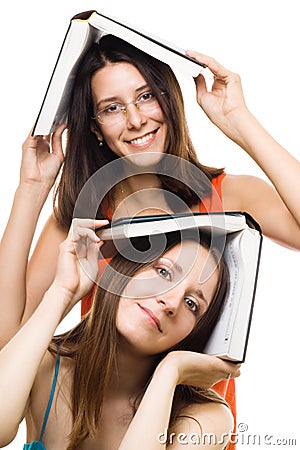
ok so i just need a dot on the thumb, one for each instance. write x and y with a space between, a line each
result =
201 86
91 264
57 148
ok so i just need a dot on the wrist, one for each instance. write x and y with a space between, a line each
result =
63 298
168 367
243 126
34 191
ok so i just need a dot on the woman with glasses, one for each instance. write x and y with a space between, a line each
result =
131 374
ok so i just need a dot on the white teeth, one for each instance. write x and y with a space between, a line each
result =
143 139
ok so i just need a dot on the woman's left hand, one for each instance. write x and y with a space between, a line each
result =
199 369
226 94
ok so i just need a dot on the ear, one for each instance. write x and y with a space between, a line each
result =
96 130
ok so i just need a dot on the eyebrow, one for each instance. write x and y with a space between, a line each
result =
176 266
200 294
116 98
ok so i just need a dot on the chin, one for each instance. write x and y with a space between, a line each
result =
146 159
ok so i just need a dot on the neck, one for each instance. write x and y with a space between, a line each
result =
136 183
140 195
131 374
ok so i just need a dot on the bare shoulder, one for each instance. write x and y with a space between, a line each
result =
237 191
205 425
51 236
40 395
52 227
260 199
45 374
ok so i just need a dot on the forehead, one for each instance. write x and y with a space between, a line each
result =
192 259
115 78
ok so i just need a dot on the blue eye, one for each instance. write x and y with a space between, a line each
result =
192 305
164 273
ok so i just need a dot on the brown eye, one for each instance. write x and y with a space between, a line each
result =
192 305
146 97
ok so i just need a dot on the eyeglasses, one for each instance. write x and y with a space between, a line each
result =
115 112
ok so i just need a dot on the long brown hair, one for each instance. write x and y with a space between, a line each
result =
92 345
83 155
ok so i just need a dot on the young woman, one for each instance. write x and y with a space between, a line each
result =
131 374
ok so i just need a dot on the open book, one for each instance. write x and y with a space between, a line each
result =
85 29
239 238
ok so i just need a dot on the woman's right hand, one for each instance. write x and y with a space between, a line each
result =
198 369
42 157
77 266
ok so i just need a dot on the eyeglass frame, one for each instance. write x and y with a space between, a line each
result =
124 105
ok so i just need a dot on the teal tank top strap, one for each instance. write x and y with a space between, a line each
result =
38 445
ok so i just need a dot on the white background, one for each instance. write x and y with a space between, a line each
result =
259 39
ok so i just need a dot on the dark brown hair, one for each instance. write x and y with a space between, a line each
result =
92 344
83 155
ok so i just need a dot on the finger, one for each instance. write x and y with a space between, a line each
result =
30 142
84 233
92 253
200 85
216 68
89 223
56 142
233 371
85 228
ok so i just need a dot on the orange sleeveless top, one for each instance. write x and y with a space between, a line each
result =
225 388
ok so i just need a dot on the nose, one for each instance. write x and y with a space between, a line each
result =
169 302
134 117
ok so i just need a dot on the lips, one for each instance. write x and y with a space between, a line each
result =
151 317
142 140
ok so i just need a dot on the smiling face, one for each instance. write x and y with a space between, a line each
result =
162 304
137 131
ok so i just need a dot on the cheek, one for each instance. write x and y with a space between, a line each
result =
158 116
112 142
111 135
184 328
139 287
125 315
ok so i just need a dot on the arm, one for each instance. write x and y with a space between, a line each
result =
22 356
226 108
41 266
39 169
153 415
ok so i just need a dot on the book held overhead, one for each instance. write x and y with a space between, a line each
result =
85 29
237 236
